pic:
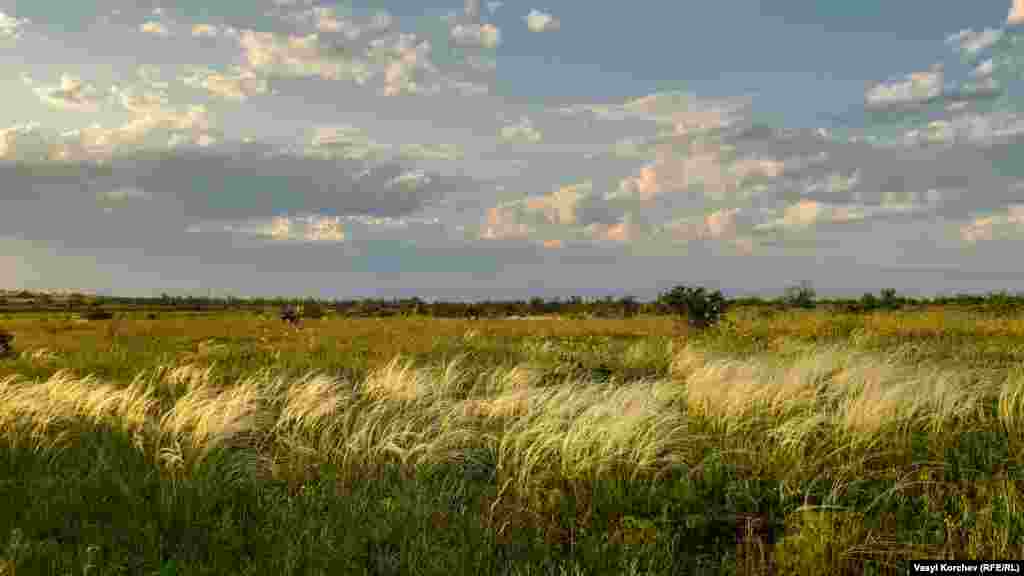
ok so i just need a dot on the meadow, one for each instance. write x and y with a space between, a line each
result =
791 442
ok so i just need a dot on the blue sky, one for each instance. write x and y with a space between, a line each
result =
505 150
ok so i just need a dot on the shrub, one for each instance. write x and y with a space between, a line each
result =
98 315
868 302
801 296
889 300
701 307
313 310
5 343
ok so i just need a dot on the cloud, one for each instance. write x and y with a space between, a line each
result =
969 42
122 194
300 57
238 86
11 27
150 76
683 111
1010 225
561 206
985 68
482 35
412 180
1016 15
382 21
472 9
204 30
155 28
152 122
553 212
522 131
348 142
917 88
309 228
721 225
407 72
809 213
625 231
704 164
432 151
23 142
70 94
538 21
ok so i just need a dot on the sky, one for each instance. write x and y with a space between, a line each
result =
469 150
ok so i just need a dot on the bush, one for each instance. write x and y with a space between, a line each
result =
801 296
98 315
5 343
313 310
701 308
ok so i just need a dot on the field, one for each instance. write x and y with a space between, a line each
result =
795 442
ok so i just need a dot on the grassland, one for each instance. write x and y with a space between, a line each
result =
798 442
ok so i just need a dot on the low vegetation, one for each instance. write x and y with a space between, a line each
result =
771 440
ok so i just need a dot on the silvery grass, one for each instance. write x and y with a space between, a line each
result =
436 415
795 416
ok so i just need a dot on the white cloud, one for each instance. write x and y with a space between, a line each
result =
410 180
722 225
23 142
344 141
983 69
10 27
990 228
70 94
152 124
154 28
685 112
808 213
299 56
207 30
538 21
351 143
430 151
484 35
1016 15
237 86
918 87
311 228
150 75
408 68
970 42
124 194
978 129
522 131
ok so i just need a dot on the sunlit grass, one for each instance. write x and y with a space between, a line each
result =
591 446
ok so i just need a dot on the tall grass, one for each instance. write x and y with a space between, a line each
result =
481 452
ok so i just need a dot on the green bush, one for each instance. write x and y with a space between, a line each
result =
98 315
5 343
701 307
801 296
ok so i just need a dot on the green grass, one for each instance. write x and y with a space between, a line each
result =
794 444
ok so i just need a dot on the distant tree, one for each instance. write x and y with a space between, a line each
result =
868 302
629 306
98 314
889 300
800 296
701 307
